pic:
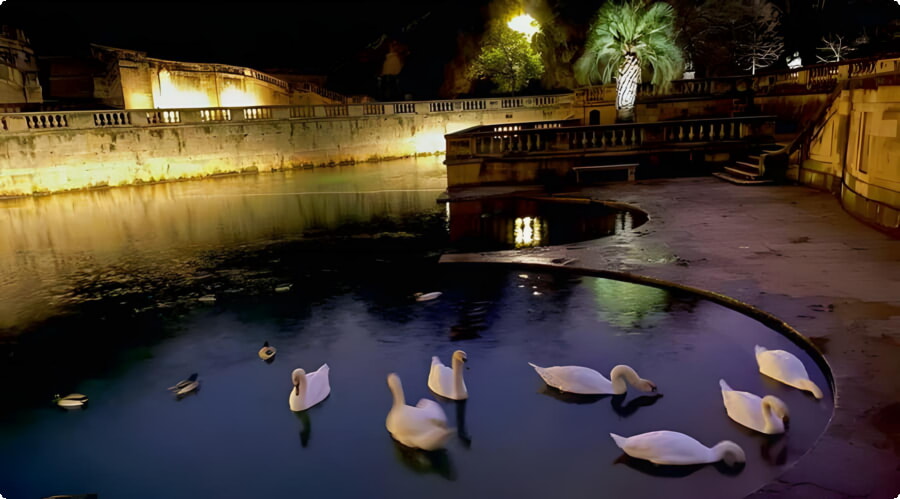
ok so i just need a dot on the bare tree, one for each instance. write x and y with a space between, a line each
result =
761 44
835 49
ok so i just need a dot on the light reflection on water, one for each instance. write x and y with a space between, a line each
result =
52 245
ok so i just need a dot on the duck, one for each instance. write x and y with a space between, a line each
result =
427 296
586 381
787 368
448 382
267 352
765 415
71 401
185 386
672 447
423 426
309 389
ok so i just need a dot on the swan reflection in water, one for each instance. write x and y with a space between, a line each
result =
460 406
674 471
774 449
305 427
616 401
424 462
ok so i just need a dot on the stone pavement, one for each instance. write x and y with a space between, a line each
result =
793 252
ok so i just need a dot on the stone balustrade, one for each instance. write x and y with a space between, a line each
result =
560 137
22 122
813 78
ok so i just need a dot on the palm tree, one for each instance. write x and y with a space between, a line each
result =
625 40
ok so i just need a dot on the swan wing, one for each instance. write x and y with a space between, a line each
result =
744 408
787 368
667 447
431 410
438 379
317 386
575 379
418 426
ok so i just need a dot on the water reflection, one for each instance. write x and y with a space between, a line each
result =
627 409
424 462
461 430
673 471
69 248
305 427
525 222
628 305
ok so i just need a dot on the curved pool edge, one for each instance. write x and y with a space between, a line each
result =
768 319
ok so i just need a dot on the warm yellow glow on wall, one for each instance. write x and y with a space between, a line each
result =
173 95
524 24
235 97
426 143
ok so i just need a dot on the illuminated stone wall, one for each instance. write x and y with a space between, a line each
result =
855 154
135 81
55 160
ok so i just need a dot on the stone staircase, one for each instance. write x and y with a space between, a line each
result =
750 170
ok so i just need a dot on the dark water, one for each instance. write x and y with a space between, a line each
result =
129 324
507 222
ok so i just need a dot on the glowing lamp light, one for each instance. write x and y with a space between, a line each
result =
527 25
527 232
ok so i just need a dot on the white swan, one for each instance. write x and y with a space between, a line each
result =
448 382
309 389
427 296
422 427
765 415
785 367
267 352
586 381
185 386
671 447
71 401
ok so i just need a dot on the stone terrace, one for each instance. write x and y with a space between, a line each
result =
790 251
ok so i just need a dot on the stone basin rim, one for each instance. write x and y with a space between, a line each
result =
766 318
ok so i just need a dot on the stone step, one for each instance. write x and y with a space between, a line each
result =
755 157
739 181
747 165
737 172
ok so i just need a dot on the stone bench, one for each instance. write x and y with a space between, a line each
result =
631 167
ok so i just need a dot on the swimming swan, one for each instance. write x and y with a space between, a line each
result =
267 352
422 427
71 401
765 415
585 381
448 382
671 447
785 367
185 386
309 389
427 296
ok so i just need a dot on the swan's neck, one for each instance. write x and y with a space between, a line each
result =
729 452
397 392
805 384
458 385
300 387
773 422
620 375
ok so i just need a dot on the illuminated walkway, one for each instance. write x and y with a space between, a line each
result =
793 252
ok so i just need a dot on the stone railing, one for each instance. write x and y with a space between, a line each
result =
819 78
20 122
560 137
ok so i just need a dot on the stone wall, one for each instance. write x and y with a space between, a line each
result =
82 154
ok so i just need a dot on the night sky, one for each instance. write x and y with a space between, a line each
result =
333 37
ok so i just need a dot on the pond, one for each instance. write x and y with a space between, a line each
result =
118 316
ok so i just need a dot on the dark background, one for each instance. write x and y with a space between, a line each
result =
340 38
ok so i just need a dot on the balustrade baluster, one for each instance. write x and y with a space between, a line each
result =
731 133
633 136
680 133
